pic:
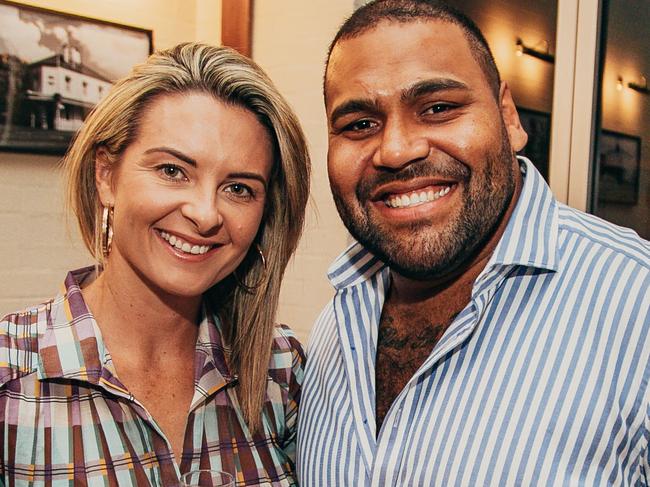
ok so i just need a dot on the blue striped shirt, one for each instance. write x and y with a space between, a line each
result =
542 379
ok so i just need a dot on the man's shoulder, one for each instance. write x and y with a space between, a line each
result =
596 232
19 337
323 338
324 328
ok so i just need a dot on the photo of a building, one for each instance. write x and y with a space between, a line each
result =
62 90
54 68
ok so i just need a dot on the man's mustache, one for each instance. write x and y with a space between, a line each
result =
448 169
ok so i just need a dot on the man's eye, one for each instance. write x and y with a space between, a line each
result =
360 126
172 172
439 108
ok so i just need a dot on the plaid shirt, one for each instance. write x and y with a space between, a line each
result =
66 419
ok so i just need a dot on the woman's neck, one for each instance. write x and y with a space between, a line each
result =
136 317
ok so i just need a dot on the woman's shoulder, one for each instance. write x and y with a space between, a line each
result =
30 321
19 340
287 354
284 338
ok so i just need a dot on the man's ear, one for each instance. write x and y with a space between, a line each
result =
516 133
104 177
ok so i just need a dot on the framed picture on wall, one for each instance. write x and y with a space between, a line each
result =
54 68
538 127
619 159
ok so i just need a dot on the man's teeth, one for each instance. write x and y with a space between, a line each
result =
404 201
174 241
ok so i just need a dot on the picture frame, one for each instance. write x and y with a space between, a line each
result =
619 164
54 68
537 125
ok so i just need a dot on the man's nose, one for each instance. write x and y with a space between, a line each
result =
202 209
400 145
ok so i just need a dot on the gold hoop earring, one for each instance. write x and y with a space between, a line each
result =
107 230
251 288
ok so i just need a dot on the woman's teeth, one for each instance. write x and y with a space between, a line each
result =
405 201
179 244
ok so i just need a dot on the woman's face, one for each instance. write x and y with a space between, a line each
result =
188 193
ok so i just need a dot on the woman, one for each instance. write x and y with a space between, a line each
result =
189 183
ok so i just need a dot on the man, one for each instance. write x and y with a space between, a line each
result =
482 333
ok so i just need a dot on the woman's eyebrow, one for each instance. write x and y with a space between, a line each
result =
249 175
177 154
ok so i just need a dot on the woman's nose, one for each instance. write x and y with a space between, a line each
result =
202 209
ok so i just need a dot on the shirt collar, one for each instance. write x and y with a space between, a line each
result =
530 238
72 346
211 367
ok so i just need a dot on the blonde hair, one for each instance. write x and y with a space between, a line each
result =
248 314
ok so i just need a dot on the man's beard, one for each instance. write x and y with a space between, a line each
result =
433 252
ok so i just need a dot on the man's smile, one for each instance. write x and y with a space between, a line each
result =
415 198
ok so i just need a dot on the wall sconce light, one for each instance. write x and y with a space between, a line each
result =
640 87
619 84
533 51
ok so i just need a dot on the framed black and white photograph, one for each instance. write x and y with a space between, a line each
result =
619 161
54 68
538 127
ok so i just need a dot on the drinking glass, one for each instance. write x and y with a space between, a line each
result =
207 478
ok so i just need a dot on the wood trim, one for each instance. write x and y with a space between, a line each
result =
236 25
585 99
574 101
563 92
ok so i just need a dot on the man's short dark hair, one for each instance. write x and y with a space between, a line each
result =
405 11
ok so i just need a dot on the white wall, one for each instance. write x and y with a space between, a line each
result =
35 246
290 40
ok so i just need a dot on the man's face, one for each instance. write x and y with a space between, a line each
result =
420 158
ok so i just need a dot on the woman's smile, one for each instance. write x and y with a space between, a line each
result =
183 247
